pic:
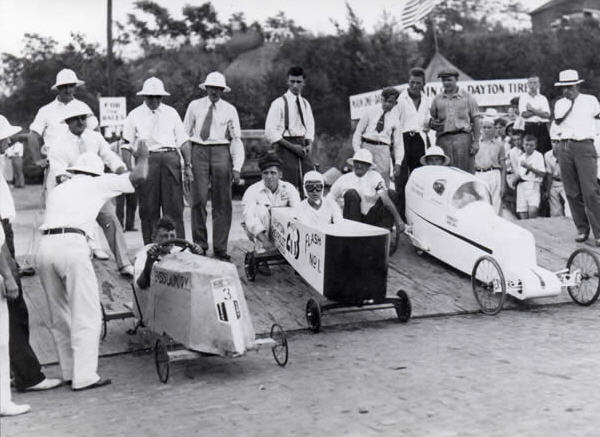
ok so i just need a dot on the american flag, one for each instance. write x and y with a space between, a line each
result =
414 11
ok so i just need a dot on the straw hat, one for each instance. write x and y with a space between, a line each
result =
66 77
363 155
153 87
88 163
215 79
568 78
76 108
7 130
434 151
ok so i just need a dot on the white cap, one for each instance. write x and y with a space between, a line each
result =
568 78
7 130
313 176
363 155
89 163
66 77
76 108
434 151
215 79
153 87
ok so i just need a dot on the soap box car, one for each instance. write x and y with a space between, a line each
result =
345 262
450 216
199 303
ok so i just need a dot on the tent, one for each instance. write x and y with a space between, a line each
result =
438 63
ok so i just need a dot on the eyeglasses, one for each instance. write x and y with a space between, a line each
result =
314 187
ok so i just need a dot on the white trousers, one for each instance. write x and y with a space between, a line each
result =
5 395
559 206
69 281
258 219
493 180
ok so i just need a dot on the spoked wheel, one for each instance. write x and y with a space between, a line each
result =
489 286
161 359
584 264
250 266
104 323
403 307
313 315
280 349
394 239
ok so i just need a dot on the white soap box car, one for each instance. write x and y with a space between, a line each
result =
450 216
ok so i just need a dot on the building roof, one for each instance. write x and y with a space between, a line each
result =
548 5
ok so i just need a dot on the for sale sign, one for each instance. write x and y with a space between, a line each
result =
113 111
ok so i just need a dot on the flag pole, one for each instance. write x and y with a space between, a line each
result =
435 36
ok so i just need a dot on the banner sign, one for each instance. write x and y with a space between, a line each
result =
486 92
113 111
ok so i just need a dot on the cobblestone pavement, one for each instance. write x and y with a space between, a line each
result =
525 373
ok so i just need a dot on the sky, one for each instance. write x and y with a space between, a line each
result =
57 18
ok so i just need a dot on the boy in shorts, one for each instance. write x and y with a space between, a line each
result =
531 173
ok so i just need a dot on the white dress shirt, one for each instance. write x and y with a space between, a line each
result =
275 121
413 119
369 187
390 135
580 124
76 203
536 160
258 195
328 213
49 124
7 203
538 102
161 128
224 128
68 147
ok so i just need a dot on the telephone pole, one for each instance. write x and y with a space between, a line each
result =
109 48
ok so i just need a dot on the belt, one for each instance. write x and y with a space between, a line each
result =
568 140
454 133
556 178
537 123
411 133
194 143
374 143
486 169
55 231
164 149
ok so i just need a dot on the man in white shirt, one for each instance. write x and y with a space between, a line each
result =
15 154
65 151
160 127
576 116
290 127
535 110
364 194
378 131
260 197
214 129
65 267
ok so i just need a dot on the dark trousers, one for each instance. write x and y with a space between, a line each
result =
540 131
162 191
23 362
294 167
578 169
414 149
126 207
212 168
378 215
457 147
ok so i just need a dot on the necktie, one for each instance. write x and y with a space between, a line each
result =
205 131
380 123
155 135
300 111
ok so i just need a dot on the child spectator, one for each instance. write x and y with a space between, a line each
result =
531 173
15 154
512 162
490 163
434 155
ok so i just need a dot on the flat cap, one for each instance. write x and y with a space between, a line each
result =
448 72
269 160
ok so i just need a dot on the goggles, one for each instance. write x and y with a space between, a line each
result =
310 187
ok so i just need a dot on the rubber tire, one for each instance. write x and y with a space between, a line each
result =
250 266
162 365
502 281
394 240
597 263
313 315
277 329
403 307
104 323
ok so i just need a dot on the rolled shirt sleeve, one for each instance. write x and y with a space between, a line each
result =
236 146
274 123
310 122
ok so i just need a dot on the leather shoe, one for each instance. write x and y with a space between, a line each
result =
101 255
12 409
46 384
223 256
100 383
26 271
132 229
582 237
127 271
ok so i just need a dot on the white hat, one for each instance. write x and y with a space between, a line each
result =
76 108
434 151
153 87
66 77
89 163
491 112
568 78
313 176
7 130
363 155
215 79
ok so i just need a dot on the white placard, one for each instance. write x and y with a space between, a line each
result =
113 111
486 92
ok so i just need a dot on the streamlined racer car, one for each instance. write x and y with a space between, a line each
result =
450 216
199 303
345 262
